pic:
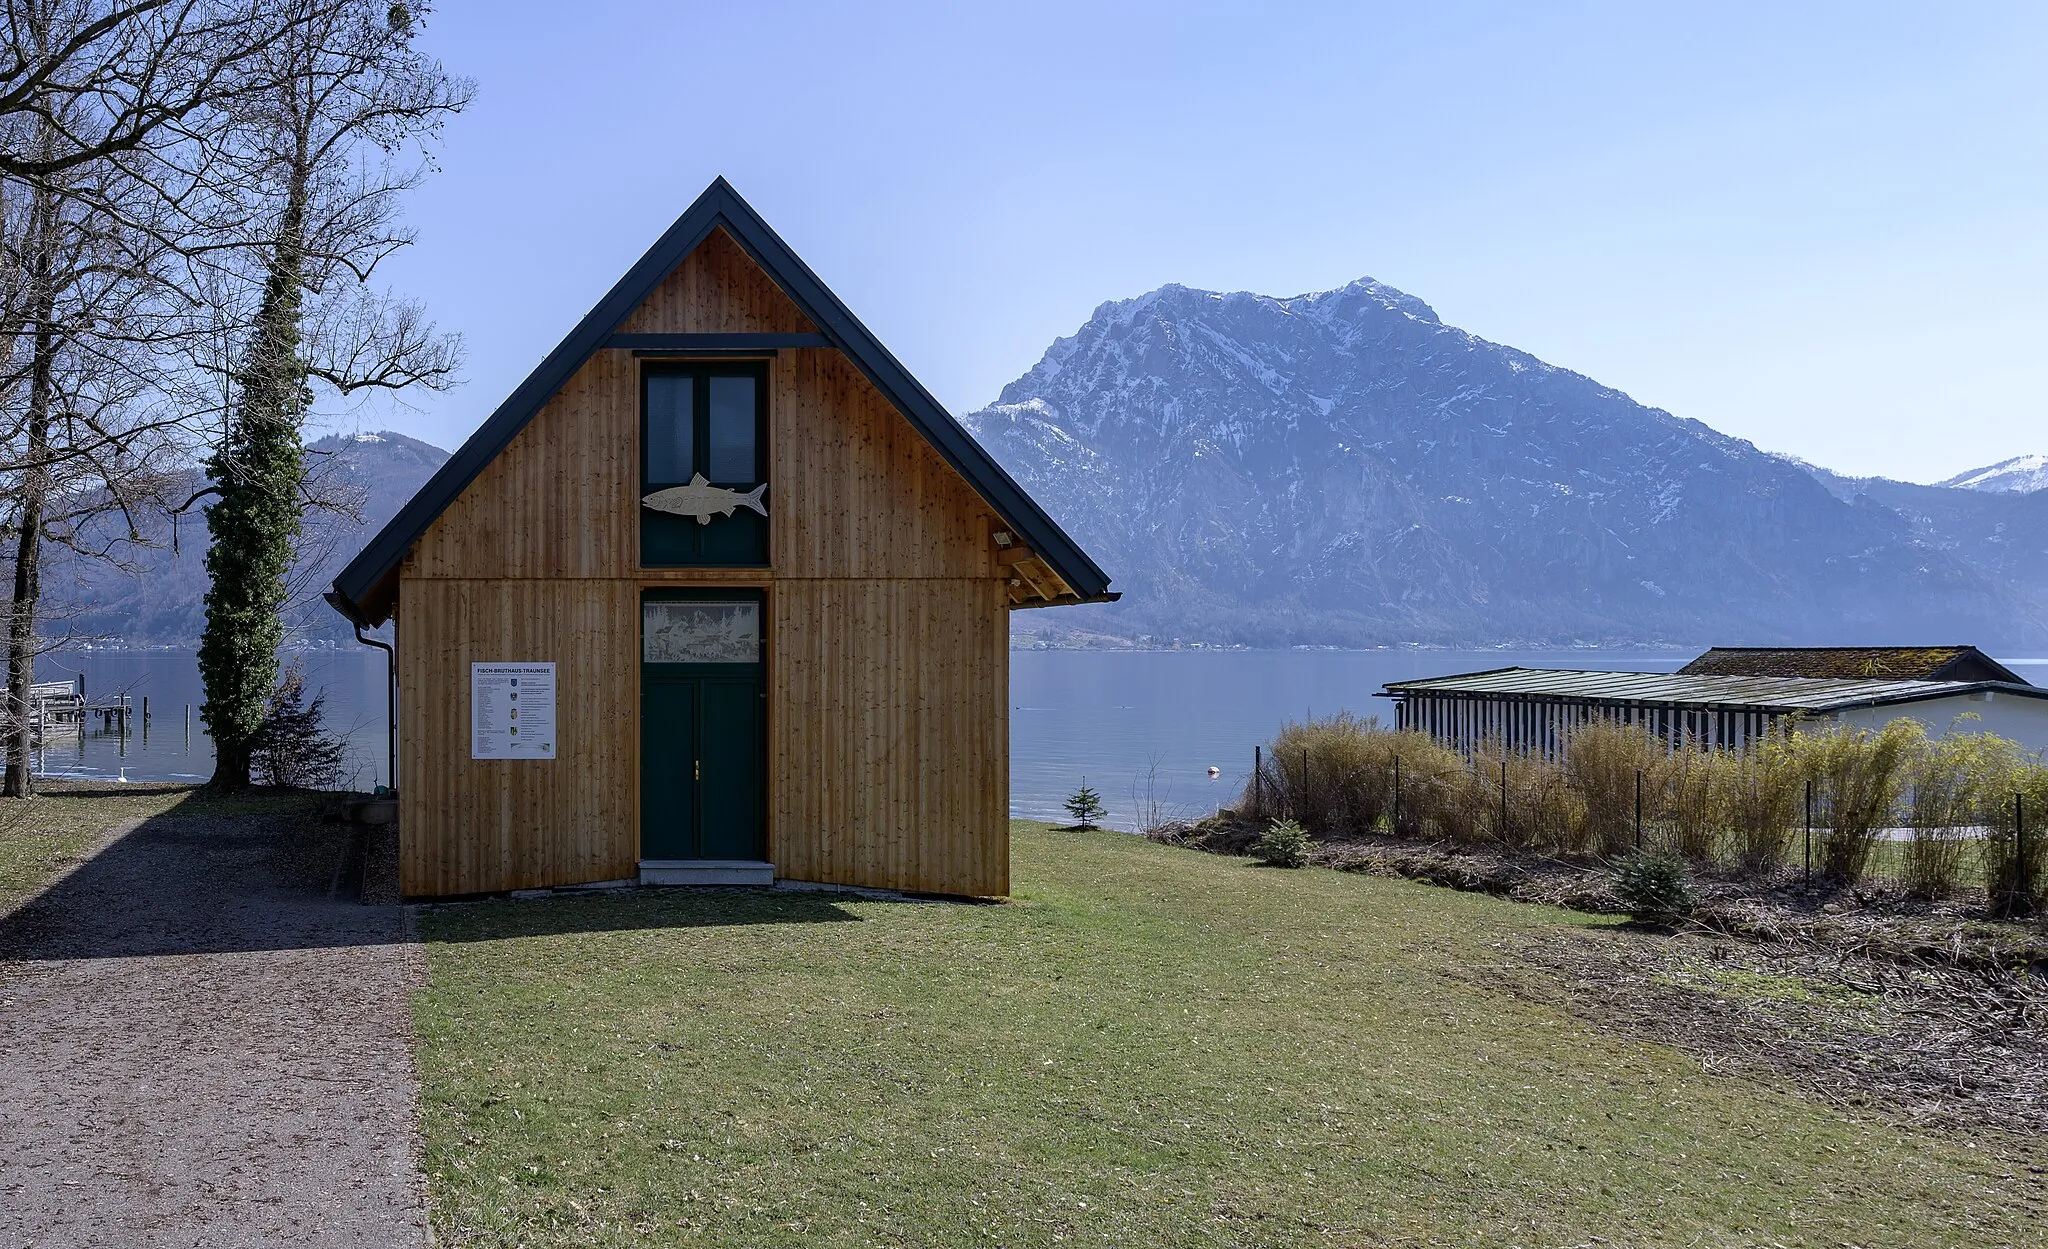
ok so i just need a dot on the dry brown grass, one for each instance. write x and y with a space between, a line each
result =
1762 801
1610 766
1858 777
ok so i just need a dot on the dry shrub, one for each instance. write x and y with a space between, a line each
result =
1437 795
2014 870
1858 776
1762 799
1467 803
1334 776
1337 778
1603 764
1686 806
1959 779
1544 812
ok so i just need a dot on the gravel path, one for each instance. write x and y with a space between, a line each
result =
200 1047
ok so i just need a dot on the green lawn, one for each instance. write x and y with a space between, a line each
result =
1147 1047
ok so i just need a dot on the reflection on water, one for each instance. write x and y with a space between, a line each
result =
170 744
1124 720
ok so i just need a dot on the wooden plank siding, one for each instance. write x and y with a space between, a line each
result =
480 825
718 290
888 660
890 732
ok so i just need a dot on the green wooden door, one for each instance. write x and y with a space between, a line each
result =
668 768
703 743
729 797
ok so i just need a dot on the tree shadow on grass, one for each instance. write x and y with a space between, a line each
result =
264 873
628 910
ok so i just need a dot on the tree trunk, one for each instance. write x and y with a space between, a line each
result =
259 471
35 493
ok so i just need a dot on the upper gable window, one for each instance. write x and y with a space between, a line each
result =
703 466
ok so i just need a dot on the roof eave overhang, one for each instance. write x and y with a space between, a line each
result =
2020 689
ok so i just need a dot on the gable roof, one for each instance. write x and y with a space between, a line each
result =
366 588
1907 663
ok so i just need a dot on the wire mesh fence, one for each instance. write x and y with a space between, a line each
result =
1828 806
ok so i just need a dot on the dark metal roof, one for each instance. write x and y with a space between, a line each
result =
1778 695
364 590
1917 663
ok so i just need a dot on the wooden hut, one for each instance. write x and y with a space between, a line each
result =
720 593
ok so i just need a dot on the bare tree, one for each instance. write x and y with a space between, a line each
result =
81 314
103 78
320 156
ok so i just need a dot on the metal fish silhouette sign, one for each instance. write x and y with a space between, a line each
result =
703 500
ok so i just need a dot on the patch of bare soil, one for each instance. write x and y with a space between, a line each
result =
1875 920
1941 1047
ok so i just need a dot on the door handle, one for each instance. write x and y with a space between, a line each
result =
696 769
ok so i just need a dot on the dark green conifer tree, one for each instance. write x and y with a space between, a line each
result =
258 471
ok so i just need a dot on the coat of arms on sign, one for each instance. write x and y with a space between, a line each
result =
703 500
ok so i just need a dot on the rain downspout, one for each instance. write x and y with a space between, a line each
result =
390 704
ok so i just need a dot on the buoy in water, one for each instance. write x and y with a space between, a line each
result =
1214 771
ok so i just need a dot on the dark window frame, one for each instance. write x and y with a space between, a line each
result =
701 545
700 411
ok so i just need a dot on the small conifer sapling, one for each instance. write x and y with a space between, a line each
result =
1085 805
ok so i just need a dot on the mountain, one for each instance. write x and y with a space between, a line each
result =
1344 468
155 596
2022 474
2002 534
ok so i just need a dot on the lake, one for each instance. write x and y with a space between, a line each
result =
1115 718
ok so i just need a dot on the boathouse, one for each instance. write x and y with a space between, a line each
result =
1536 709
719 594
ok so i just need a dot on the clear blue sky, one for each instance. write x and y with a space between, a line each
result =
1817 227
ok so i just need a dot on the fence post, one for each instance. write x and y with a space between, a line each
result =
2025 884
1396 828
1639 810
1809 833
1503 796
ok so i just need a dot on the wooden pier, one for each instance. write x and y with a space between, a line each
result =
60 709
56 707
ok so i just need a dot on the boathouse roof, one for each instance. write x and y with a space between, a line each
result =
1778 695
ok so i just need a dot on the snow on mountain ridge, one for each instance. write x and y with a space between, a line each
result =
2022 474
